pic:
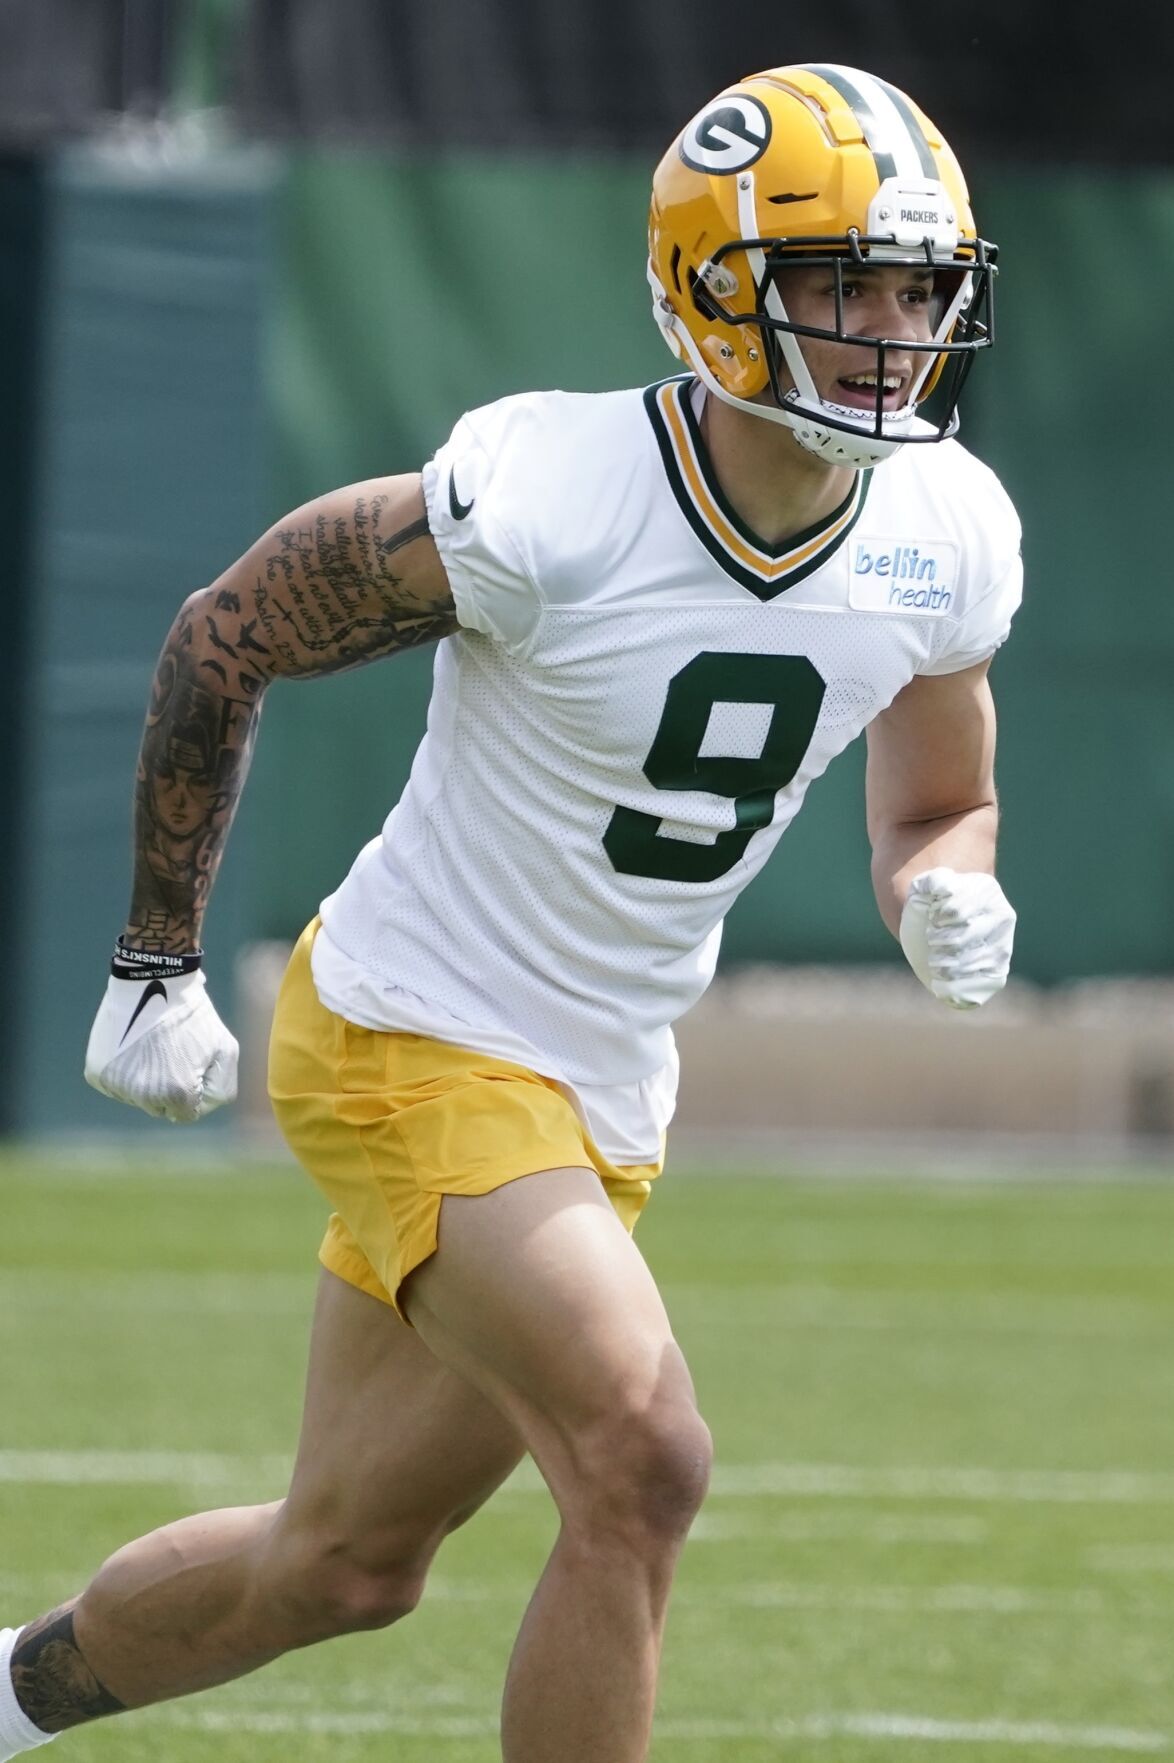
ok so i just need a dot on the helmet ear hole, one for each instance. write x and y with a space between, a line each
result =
700 297
725 349
675 268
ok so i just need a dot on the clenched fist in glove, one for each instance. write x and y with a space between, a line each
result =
157 1041
957 932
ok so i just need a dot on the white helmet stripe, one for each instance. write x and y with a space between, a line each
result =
771 298
929 164
887 128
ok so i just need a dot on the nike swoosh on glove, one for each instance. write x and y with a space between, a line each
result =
159 1045
957 931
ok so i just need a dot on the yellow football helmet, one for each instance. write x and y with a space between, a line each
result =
814 165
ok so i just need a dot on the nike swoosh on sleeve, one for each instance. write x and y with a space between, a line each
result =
457 508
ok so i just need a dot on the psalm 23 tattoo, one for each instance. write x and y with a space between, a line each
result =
324 592
317 597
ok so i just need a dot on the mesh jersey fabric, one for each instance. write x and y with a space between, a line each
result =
538 892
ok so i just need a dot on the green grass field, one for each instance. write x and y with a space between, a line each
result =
942 1520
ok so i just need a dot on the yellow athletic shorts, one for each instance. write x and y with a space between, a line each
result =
387 1124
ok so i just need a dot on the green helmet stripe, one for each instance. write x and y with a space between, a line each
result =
886 165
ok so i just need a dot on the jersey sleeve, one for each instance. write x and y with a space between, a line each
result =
472 492
994 586
984 627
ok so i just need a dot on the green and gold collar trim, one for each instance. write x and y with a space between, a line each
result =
765 570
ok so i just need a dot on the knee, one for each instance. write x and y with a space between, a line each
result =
332 1585
645 1473
350 1596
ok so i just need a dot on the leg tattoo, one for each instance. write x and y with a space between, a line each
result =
54 1685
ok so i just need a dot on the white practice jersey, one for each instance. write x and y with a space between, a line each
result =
629 719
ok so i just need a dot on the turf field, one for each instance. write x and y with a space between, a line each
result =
942 1521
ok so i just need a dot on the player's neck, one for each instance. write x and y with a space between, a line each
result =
771 482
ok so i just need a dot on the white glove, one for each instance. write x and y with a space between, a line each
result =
158 1044
957 931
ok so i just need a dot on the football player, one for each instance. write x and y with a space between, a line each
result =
660 615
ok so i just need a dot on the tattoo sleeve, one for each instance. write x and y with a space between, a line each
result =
53 1684
346 580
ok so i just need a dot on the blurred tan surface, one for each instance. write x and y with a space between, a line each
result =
849 1053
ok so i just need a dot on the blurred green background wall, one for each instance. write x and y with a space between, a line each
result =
134 451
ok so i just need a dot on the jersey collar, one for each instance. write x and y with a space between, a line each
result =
766 570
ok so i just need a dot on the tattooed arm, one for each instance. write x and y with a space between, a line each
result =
348 578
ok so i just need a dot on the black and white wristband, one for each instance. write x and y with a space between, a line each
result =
152 963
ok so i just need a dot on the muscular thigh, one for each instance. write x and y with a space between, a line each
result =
396 1448
539 1297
